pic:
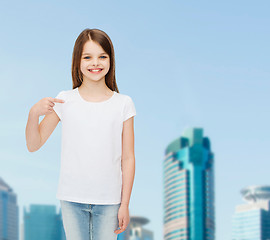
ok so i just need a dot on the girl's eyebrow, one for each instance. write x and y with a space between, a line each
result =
90 53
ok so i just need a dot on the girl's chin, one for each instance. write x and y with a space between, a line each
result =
91 78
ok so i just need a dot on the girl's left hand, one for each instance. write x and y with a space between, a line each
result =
123 218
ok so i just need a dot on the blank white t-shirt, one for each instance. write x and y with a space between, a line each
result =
91 147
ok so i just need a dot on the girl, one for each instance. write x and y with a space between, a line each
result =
97 156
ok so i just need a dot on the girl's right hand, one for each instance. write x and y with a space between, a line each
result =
45 105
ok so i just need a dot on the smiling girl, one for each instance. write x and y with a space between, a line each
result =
97 155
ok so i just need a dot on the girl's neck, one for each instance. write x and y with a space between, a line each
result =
95 89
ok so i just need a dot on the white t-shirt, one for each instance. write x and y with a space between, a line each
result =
91 147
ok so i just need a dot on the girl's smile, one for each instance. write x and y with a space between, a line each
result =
95 70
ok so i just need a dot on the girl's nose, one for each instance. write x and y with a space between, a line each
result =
95 61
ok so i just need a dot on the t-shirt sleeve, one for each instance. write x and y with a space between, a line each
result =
129 109
58 106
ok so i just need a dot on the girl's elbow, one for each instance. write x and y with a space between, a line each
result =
31 149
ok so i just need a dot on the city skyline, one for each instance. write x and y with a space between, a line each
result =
185 65
44 221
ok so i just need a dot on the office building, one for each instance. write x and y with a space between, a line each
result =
251 221
42 222
188 178
136 231
9 213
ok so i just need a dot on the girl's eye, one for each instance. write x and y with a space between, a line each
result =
101 57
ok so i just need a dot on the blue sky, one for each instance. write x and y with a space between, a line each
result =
185 64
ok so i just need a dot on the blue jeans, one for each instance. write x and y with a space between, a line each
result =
89 221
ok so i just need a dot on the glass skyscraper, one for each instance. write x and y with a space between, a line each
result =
43 223
188 178
251 221
9 213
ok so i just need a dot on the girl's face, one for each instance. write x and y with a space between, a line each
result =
94 57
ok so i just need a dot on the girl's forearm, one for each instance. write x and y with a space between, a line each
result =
32 131
128 173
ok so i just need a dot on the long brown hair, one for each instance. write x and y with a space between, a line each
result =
101 38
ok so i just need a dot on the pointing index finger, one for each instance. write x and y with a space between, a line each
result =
58 100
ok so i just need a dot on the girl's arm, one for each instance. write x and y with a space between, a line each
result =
128 173
37 134
32 132
128 160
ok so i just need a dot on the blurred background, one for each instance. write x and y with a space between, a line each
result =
197 72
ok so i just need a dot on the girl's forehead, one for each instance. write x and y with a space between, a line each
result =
92 47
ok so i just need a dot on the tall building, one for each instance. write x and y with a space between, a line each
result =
43 223
251 221
9 213
136 231
188 178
